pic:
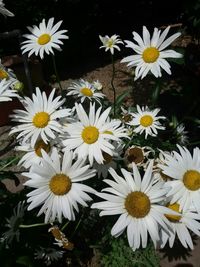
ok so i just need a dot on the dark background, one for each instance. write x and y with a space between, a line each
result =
85 20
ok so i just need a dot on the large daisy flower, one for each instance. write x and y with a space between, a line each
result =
184 171
110 43
39 119
181 226
90 136
58 186
43 38
151 54
84 90
137 202
6 93
147 121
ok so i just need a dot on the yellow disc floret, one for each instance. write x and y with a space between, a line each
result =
90 134
40 144
174 207
3 74
146 120
60 184
109 43
191 180
150 54
87 91
137 204
44 39
41 119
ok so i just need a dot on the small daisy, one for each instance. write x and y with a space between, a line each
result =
43 38
90 136
181 226
137 202
4 11
110 43
182 134
184 170
146 121
39 119
151 56
84 90
6 93
6 73
58 186
97 85
33 154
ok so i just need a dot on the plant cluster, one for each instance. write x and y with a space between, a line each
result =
100 176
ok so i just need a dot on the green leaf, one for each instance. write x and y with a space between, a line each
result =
24 260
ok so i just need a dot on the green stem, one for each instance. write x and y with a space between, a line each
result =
64 226
56 73
112 83
32 225
77 225
9 163
156 92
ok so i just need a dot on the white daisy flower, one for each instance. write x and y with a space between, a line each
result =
58 186
33 154
146 121
6 93
4 11
182 134
184 171
6 73
39 119
110 43
90 136
151 56
84 90
137 201
181 227
97 85
43 38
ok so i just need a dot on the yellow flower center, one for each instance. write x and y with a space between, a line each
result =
137 204
135 154
174 207
146 120
150 54
44 39
3 74
41 119
41 145
90 134
60 184
86 91
110 43
191 180
107 158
